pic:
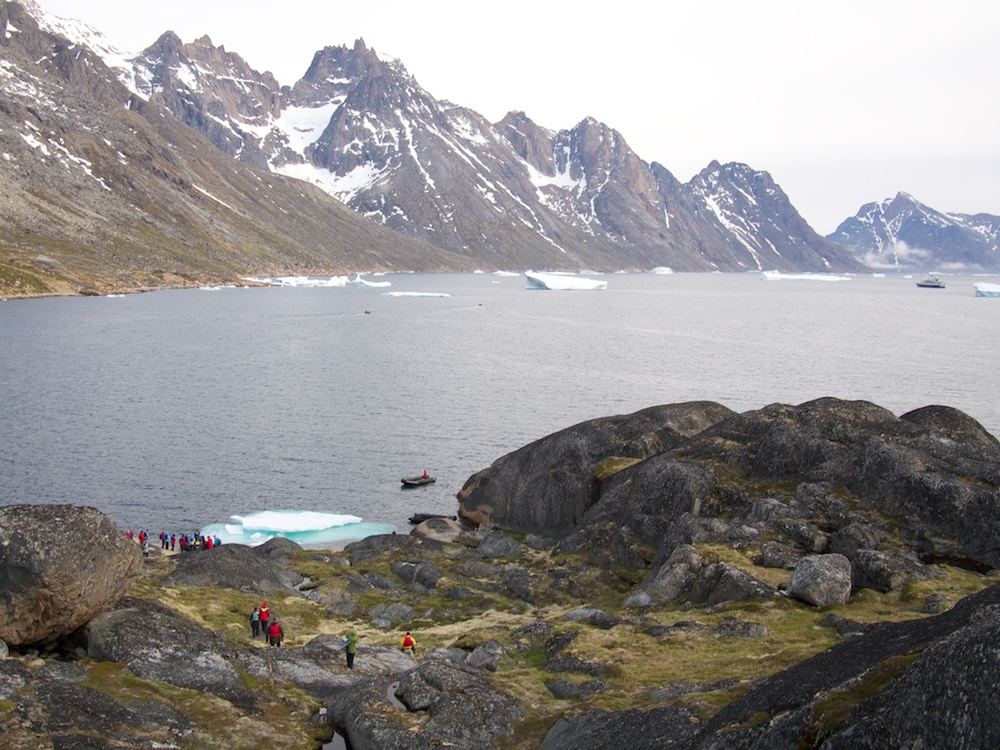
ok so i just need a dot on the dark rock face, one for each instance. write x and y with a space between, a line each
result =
855 471
60 566
935 671
656 729
545 487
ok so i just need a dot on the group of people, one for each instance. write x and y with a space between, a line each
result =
350 641
169 542
263 624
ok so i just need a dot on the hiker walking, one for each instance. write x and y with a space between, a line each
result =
351 648
275 633
265 617
255 623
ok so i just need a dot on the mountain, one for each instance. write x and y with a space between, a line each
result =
103 191
510 194
902 233
176 165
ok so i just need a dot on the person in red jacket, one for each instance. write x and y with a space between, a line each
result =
265 616
275 633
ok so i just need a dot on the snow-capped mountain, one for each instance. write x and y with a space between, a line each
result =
509 195
902 233
102 190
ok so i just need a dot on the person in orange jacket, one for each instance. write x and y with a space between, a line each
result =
265 616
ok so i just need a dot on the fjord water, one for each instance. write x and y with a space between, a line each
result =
172 410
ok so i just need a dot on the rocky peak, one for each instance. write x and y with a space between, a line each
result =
903 233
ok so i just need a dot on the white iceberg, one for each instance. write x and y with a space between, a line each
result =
359 280
779 276
300 281
987 290
302 526
561 281
661 270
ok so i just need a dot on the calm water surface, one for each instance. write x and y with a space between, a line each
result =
177 409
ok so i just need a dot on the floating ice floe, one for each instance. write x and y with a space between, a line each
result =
987 290
661 270
779 276
302 526
560 281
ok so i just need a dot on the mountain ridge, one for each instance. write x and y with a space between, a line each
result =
430 185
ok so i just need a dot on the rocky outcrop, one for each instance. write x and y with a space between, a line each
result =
890 493
159 644
545 487
453 703
60 566
235 566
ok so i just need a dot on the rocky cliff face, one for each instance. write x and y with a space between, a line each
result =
903 234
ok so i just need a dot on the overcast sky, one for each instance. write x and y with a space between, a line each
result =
844 102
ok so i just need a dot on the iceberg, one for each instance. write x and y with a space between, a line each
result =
560 281
779 276
299 281
661 270
987 290
415 294
358 280
302 526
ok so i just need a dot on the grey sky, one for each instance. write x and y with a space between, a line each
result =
843 103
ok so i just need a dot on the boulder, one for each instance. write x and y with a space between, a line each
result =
821 579
544 488
236 566
60 566
885 571
722 582
441 529
496 544
435 704
156 643
594 617
673 579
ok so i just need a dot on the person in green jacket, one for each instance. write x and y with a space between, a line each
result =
352 647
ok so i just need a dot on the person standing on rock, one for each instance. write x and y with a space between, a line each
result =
255 623
352 647
409 644
275 633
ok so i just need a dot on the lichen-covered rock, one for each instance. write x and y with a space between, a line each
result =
60 565
159 644
821 579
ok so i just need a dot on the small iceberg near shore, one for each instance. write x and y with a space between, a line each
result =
305 527
560 281
661 271
987 290
299 281
779 276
